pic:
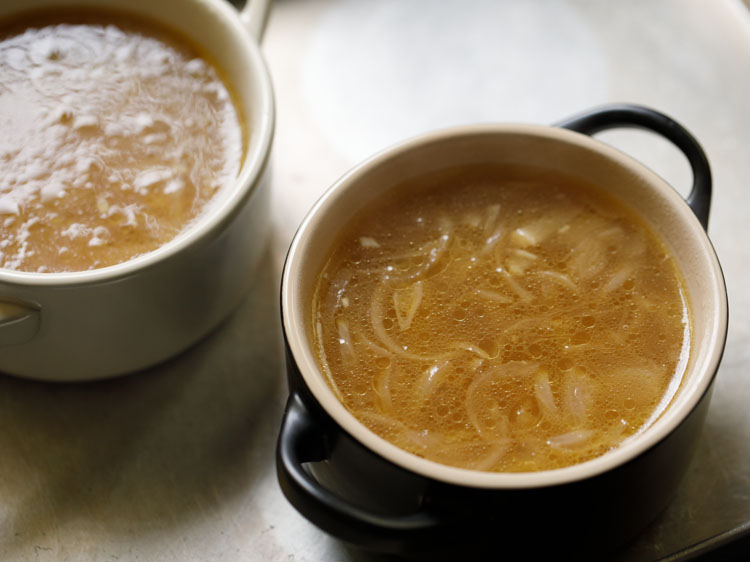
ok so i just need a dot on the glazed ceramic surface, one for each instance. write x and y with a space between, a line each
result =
635 472
105 322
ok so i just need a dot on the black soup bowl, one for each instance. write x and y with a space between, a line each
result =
370 493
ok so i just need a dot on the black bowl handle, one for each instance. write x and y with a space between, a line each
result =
302 440
625 115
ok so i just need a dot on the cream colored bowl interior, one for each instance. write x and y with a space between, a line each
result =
549 148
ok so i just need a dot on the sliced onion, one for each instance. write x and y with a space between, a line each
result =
421 440
493 229
368 242
640 384
401 269
337 288
538 230
559 278
380 423
429 380
348 355
473 455
398 432
628 246
571 439
613 234
383 352
490 221
474 348
381 384
519 261
472 219
490 422
543 393
588 258
406 303
492 240
432 257
377 314
618 278
576 395
525 254
616 433
496 452
523 294
494 296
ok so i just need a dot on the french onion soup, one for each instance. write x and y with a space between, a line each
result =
501 319
116 135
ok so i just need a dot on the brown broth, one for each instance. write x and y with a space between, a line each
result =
116 134
500 320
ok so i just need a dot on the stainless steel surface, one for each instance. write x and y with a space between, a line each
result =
177 463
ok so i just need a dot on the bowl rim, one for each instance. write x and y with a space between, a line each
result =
218 213
294 330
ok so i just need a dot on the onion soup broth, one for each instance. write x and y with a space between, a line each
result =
116 135
501 320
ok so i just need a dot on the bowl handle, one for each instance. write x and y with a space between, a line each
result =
18 322
626 115
254 14
302 440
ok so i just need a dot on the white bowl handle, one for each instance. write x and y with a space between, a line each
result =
19 322
254 15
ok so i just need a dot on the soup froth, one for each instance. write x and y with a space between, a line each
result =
116 135
501 319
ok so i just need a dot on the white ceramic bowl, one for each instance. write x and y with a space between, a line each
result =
109 321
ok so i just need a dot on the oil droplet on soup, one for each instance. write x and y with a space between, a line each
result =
500 319
115 137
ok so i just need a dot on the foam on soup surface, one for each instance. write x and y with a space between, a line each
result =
115 136
500 320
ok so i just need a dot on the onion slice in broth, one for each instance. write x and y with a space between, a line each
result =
576 438
406 303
